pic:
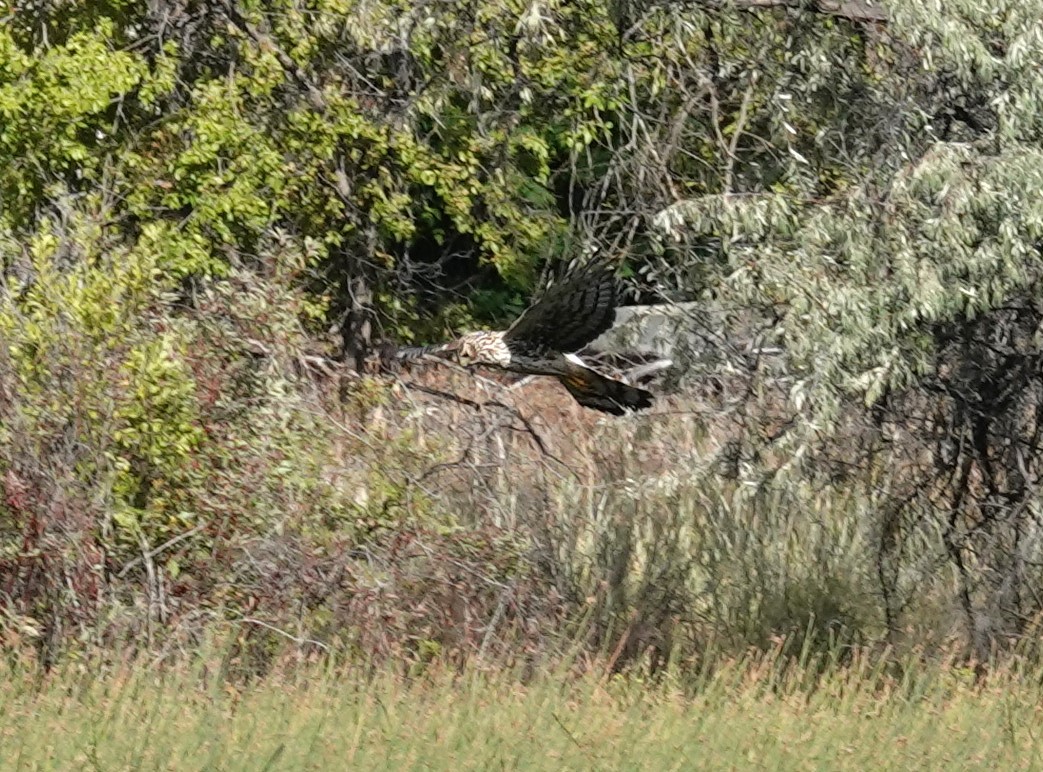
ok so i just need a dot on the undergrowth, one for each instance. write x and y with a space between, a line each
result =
758 710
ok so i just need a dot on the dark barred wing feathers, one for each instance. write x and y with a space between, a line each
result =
570 314
592 389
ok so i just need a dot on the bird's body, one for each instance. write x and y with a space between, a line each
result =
541 341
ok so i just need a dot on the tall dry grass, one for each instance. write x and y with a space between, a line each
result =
757 711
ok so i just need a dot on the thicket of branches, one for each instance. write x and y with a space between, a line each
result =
211 213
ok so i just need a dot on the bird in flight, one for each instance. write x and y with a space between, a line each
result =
542 340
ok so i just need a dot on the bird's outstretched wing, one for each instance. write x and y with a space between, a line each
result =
592 389
571 314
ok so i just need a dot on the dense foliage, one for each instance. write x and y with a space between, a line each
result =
206 208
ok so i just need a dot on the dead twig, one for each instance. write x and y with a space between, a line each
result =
527 427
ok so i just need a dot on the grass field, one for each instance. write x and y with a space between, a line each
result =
746 715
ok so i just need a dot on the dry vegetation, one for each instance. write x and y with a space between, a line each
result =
822 547
748 713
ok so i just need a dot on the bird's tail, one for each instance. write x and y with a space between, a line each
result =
592 389
409 353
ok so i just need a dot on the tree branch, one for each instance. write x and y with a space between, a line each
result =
528 428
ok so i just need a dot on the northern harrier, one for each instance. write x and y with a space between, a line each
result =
540 342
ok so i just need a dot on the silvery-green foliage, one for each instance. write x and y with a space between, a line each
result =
907 302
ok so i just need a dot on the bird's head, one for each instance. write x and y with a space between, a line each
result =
464 351
478 348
